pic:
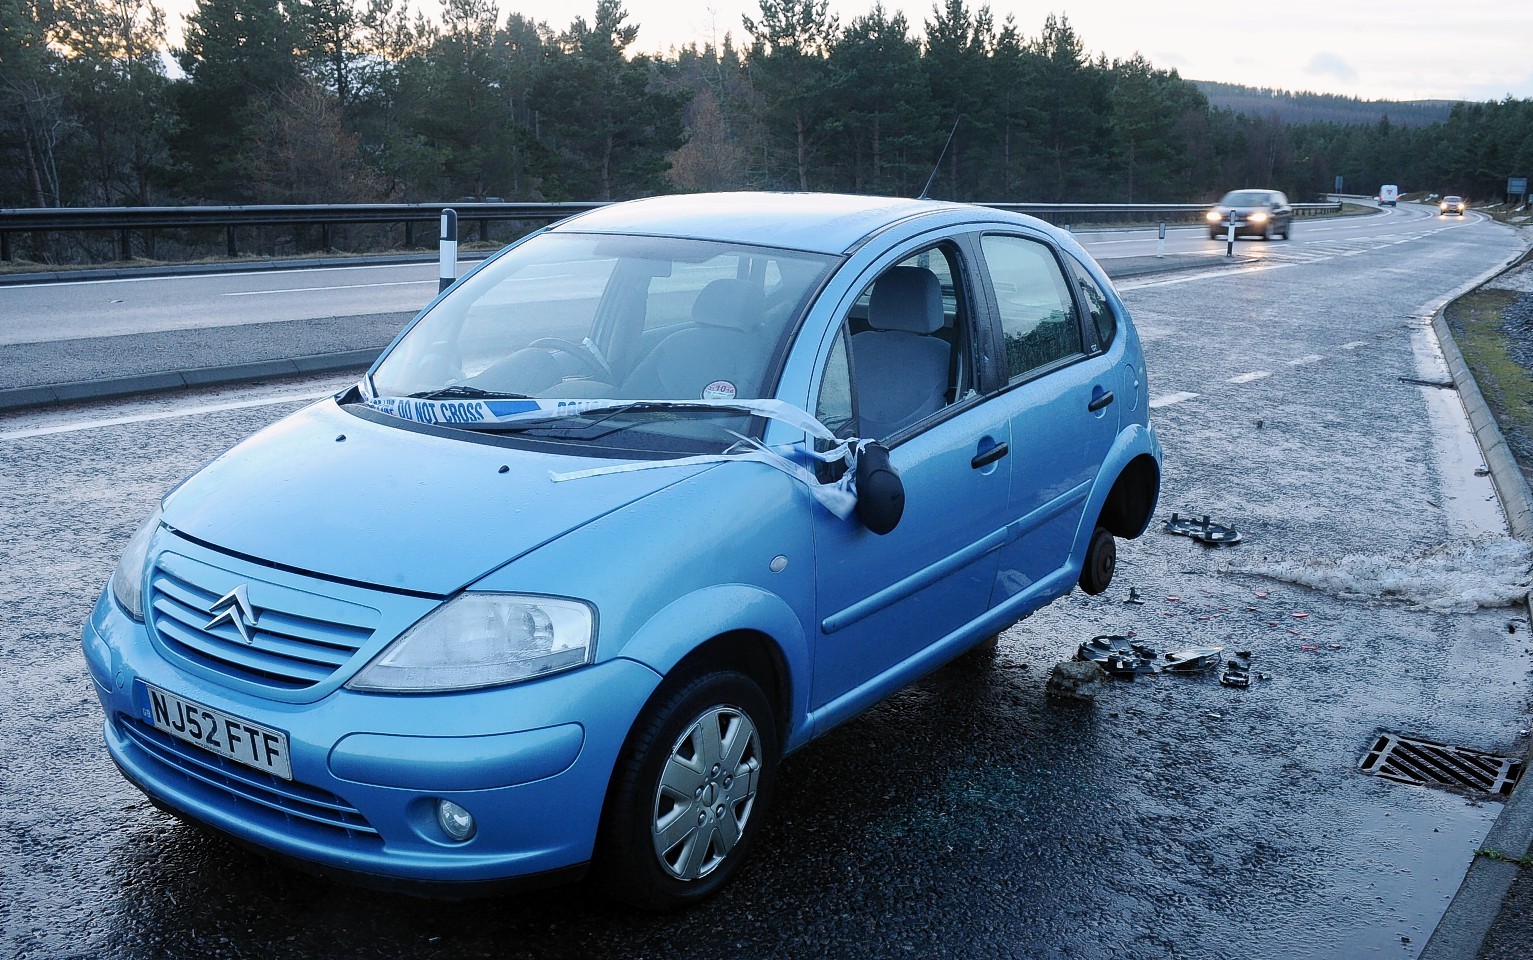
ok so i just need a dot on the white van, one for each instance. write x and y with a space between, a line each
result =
1389 194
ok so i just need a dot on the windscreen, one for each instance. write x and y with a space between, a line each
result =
568 316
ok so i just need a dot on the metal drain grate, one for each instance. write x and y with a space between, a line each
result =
1422 762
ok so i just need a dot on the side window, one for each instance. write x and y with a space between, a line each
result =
1038 321
908 343
834 405
1096 302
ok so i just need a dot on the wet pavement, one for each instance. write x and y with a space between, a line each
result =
969 815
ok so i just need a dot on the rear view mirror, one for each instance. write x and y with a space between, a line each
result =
880 492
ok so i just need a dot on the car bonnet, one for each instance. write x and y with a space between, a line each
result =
329 493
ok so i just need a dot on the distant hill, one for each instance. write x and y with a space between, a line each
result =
1293 107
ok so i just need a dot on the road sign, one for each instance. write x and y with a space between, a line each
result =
1338 185
1517 186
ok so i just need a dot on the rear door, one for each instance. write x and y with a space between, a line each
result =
1060 397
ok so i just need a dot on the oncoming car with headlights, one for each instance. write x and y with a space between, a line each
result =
636 507
1454 205
1255 213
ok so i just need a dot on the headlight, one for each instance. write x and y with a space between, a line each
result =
1258 217
128 578
1214 216
483 640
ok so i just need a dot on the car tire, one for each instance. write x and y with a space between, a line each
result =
677 824
1267 233
1287 230
1101 561
1215 235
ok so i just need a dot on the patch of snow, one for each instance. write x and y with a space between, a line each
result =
1520 280
1458 577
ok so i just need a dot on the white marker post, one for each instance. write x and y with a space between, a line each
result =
447 270
1160 244
1229 237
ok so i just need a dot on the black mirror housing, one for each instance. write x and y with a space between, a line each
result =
880 491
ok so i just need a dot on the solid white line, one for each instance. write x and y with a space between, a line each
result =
1171 398
1251 377
1213 275
340 286
162 415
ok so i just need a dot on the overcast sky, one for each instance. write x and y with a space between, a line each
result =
1403 50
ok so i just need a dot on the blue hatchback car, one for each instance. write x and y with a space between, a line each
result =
641 504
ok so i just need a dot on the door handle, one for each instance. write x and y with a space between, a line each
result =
1100 402
990 456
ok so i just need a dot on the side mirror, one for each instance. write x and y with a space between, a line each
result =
880 492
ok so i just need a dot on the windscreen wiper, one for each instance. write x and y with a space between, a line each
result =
464 391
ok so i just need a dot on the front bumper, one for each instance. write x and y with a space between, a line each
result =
530 761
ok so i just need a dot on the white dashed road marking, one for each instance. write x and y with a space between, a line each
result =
1254 375
171 414
1171 398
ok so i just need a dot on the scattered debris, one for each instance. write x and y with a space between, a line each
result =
1194 660
1134 597
1482 471
1204 531
1439 384
1076 680
1237 670
1119 656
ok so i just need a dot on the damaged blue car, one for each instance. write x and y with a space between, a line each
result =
641 504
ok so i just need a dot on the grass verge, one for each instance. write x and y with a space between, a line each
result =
1499 359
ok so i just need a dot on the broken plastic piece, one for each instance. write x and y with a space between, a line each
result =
1134 597
1237 670
1117 655
1204 531
1191 661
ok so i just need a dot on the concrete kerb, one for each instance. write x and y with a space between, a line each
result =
21 398
1474 908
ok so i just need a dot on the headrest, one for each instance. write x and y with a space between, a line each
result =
736 304
908 299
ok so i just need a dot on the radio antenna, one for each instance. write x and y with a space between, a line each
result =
931 179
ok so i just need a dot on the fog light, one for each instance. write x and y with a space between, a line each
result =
455 821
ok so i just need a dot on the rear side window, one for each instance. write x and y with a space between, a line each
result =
1038 321
1096 304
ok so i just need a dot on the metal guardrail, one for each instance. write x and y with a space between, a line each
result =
125 220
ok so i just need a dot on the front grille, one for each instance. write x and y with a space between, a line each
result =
296 639
1424 763
287 798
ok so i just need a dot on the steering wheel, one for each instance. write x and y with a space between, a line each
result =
588 360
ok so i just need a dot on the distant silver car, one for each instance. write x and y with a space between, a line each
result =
1257 213
1452 205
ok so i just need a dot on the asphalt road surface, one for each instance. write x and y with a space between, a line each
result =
969 815
101 308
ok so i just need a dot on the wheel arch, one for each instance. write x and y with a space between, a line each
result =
1129 505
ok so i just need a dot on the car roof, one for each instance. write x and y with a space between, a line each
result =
819 222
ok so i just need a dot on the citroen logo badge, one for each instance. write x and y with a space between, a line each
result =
234 607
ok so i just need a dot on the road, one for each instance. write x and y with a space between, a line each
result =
102 308
969 815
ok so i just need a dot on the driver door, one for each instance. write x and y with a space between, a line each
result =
901 371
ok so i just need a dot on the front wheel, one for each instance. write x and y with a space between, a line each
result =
1101 561
689 792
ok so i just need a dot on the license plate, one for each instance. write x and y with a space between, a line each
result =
246 743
